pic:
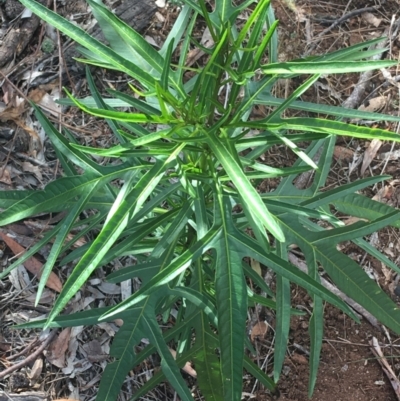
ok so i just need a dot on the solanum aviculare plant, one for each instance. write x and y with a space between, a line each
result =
188 216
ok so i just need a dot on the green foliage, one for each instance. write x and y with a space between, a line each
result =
188 160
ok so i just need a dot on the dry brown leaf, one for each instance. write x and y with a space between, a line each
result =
5 176
188 366
71 358
370 154
374 104
94 351
33 265
351 220
343 154
387 273
372 19
384 193
36 370
36 95
258 331
193 55
300 359
48 103
12 113
56 351
30 168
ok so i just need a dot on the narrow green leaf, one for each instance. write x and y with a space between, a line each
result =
325 67
123 350
282 323
175 229
342 112
68 222
56 193
257 373
244 186
316 330
363 207
356 230
168 363
207 363
341 192
198 299
324 126
122 116
231 295
128 101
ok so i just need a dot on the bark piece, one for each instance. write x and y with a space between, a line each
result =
26 396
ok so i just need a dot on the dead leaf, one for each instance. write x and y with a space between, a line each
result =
33 265
11 113
370 154
259 331
70 365
352 220
188 366
341 153
372 19
36 95
30 168
5 176
36 370
49 104
56 351
387 273
110 288
151 41
193 55
255 265
392 155
94 351
374 104
383 194
300 359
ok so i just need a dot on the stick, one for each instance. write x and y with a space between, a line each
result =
340 21
31 357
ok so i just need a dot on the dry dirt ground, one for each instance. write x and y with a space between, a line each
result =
349 370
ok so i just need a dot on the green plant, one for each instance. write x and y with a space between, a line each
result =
188 209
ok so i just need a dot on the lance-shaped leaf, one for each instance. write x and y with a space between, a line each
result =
250 196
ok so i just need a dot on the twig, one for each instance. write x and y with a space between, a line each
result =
24 351
394 381
354 100
30 358
340 21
